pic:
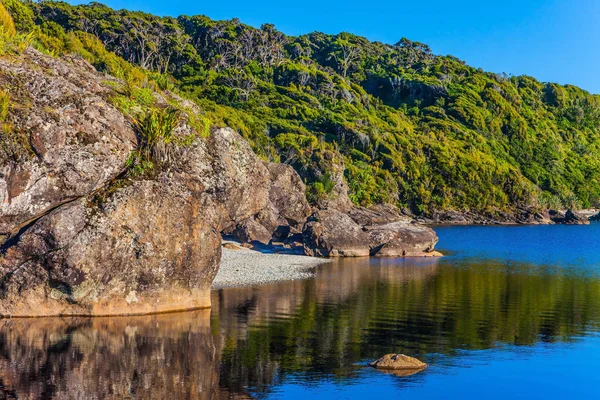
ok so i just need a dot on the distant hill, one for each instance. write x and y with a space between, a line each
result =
418 130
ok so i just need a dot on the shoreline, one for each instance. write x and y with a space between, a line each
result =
246 267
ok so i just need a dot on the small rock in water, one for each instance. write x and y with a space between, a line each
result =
396 362
231 246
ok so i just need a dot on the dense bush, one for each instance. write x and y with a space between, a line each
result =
413 128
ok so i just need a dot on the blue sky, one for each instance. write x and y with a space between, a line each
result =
552 40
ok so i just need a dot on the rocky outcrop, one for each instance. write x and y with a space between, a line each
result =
401 239
285 212
150 245
569 217
331 233
82 239
522 216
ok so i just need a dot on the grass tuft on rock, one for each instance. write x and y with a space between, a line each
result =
155 129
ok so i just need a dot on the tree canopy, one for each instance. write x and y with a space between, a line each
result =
415 129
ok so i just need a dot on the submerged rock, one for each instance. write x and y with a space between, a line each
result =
398 362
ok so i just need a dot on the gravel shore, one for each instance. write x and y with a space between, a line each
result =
246 267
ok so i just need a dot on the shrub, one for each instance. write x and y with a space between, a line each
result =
7 25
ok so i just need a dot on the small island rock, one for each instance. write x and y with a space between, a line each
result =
398 362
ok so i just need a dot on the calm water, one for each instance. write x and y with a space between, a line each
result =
512 312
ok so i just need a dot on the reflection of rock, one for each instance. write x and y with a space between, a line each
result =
335 283
170 356
398 362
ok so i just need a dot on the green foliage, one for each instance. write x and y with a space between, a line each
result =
7 25
4 105
155 129
413 128
14 145
21 13
320 189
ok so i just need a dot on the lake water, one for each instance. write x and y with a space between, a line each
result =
511 312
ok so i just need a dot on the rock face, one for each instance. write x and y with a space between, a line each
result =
77 141
398 362
285 211
151 245
94 245
331 233
401 239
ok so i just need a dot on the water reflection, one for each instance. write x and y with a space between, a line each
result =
358 310
326 328
152 357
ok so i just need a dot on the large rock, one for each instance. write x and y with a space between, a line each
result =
288 194
252 230
76 141
401 239
285 212
147 245
331 233
85 239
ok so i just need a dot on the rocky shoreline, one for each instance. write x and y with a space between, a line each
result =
84 233
521 217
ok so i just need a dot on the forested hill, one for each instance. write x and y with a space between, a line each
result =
415 129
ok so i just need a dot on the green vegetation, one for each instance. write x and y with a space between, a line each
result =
415 129
155 129
4 105
7 26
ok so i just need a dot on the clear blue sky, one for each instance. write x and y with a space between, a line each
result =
552 40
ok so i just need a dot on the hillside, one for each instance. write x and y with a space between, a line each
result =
422 131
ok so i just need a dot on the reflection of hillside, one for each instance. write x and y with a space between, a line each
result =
152 357
357 310
333 284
